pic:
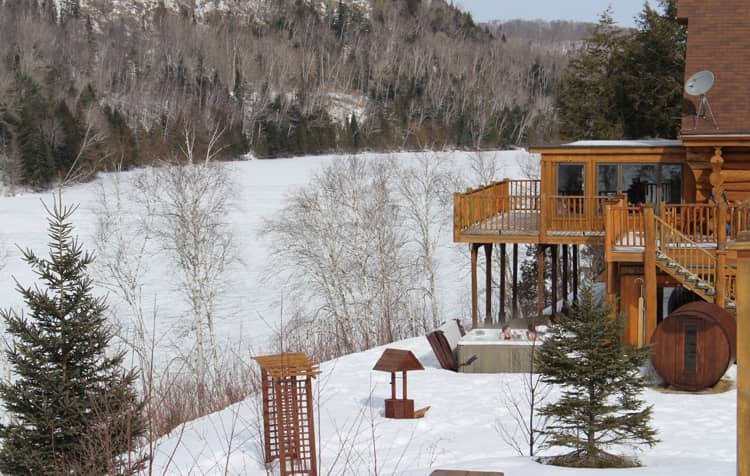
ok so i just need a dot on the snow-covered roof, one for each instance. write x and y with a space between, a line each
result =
626 143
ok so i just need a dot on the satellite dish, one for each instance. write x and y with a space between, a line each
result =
699 85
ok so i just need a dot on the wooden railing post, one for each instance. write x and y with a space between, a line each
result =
721 226
721 278
608 232
742 246
649 269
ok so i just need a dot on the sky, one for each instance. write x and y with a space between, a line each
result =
580 10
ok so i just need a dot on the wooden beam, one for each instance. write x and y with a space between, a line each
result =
742 246
474 295
503 265
555 283
649 270
540 298
514 311
488 284
565 275
575 273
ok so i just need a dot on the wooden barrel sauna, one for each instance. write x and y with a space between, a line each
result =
694 346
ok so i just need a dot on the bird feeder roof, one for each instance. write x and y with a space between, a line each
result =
396 360
294 364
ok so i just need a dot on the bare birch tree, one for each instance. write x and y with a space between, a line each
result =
425 189
188 203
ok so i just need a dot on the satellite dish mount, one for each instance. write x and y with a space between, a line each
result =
699 85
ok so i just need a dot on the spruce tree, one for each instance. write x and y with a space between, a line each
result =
70 405
587 96
653 68
600 382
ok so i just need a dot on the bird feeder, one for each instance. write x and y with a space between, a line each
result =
394 360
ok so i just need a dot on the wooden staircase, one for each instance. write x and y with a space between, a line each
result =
701 270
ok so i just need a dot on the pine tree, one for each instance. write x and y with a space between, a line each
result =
600 384
71 406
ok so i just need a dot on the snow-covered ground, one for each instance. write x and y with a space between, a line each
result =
249 307
459 431
697 431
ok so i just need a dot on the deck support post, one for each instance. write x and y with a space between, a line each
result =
503 265
474 294
514 311
742 246
555 283
721 278
649 270
575 273
565 275
540 298
488 284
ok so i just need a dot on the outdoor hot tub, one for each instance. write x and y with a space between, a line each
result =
494 355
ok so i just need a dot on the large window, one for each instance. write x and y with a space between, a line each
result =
641 183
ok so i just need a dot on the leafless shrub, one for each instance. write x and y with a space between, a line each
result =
524 431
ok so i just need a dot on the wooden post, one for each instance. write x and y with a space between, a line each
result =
514 311
403 382
742 246
503 265
488 284
540 280
393 385
721 277
474 293
721 225
575 273
649 269
565 276
555 258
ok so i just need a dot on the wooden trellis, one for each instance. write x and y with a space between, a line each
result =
288 425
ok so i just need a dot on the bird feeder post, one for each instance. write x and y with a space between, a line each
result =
395 360
403 377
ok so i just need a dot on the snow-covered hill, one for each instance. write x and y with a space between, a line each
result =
200 9
459 431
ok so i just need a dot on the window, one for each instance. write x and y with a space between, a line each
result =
606 179
570 179
641 183
691 349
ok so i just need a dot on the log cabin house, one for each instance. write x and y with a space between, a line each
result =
663 210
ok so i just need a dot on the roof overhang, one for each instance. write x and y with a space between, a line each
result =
604 147
716 140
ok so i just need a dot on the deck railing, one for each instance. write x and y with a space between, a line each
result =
688 254
625 227
576 214
510 205
699 222
738 219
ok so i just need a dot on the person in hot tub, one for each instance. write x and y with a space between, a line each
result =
531 333
507 333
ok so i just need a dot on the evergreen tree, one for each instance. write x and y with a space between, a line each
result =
586 100
71 407
600 379
653 68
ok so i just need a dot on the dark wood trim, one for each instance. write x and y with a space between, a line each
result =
575 273
503 266
488 284
540 294
474 294
514 311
